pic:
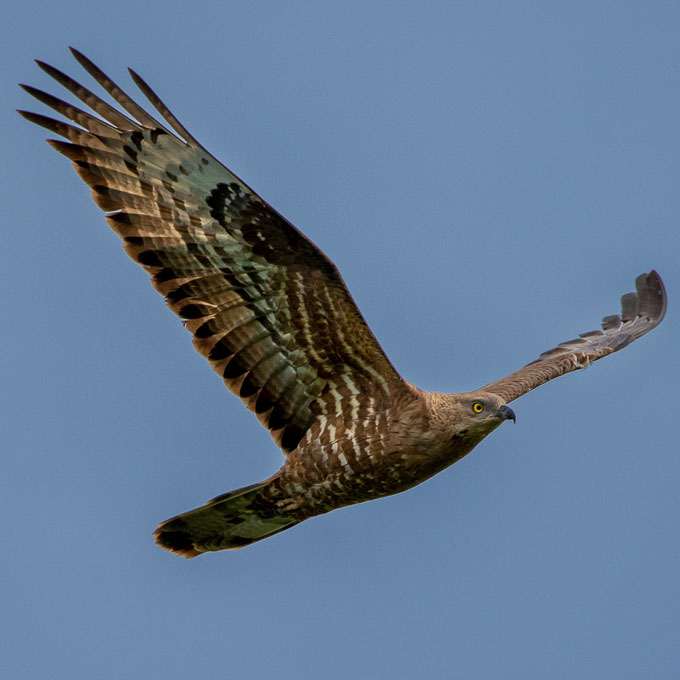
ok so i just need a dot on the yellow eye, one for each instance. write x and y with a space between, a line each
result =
478 407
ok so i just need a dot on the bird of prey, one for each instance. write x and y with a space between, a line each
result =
272 315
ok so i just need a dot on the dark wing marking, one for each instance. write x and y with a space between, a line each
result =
640 312
266 307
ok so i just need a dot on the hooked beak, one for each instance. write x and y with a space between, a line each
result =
507 413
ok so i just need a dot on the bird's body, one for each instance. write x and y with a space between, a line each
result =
387 446
381 452
275 320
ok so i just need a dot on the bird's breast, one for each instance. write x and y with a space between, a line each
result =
348 470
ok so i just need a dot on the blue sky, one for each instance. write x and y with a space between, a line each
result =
489 177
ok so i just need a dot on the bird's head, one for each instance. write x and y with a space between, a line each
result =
474 415
458 422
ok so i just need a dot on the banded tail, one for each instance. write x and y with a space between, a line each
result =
232 520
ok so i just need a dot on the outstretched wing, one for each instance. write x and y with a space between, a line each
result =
640 312
266 307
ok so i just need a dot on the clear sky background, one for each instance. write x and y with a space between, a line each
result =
489 177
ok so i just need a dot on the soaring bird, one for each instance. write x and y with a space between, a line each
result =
272 315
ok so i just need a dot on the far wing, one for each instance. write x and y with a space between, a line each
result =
266 307
640 312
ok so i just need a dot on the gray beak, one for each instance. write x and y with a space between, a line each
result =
507 413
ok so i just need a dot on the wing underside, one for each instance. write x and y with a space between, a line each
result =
640 313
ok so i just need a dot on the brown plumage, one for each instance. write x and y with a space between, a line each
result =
275 320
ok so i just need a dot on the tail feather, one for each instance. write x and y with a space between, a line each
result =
232 520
